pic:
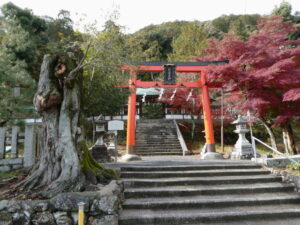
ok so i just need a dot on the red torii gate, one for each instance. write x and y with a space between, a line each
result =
186 67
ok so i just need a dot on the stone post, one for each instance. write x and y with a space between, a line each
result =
2 142
29 145
14 142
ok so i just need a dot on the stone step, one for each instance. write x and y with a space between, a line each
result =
162 147
202 216
159 136
154 120
159 182
253 221
171 191
211 201
157 141
157 129
188 167
161 152
158 148
154 125
192 173
153 153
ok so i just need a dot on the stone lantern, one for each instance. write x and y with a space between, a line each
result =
99 150
242 148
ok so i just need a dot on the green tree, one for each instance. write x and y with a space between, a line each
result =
17 60
24 39
154 42
108 51
284 10
189 43
241 25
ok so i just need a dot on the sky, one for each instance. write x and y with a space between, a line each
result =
136 14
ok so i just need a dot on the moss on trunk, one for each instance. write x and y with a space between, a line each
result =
93 171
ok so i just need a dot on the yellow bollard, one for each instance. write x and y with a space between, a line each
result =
81 213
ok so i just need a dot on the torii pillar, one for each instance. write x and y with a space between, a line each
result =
210 151
131 121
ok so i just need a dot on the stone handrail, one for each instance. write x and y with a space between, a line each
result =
181 139
273 149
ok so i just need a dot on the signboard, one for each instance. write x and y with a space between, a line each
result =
116 125
169 74
100 128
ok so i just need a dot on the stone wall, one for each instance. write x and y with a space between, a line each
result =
286 177
101 208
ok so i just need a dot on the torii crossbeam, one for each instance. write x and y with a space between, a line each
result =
181 67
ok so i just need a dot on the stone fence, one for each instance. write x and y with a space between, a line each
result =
19 149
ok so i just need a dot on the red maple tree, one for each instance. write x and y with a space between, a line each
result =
264 71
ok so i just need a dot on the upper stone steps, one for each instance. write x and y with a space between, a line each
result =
157 137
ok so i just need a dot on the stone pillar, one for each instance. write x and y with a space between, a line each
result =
14 142
29 145
2 142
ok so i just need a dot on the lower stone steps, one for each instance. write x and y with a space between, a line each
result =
171 191
211 201
211 192
199 180
193 173
187 167
202 216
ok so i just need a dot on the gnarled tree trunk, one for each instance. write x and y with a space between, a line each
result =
60 167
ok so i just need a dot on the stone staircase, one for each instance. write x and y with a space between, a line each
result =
157 137
206 193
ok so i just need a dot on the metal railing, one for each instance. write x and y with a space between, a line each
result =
181 140
273 149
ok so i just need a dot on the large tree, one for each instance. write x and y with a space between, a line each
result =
263 71
65 163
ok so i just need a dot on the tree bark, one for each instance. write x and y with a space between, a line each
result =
288 139
60 167
270 132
